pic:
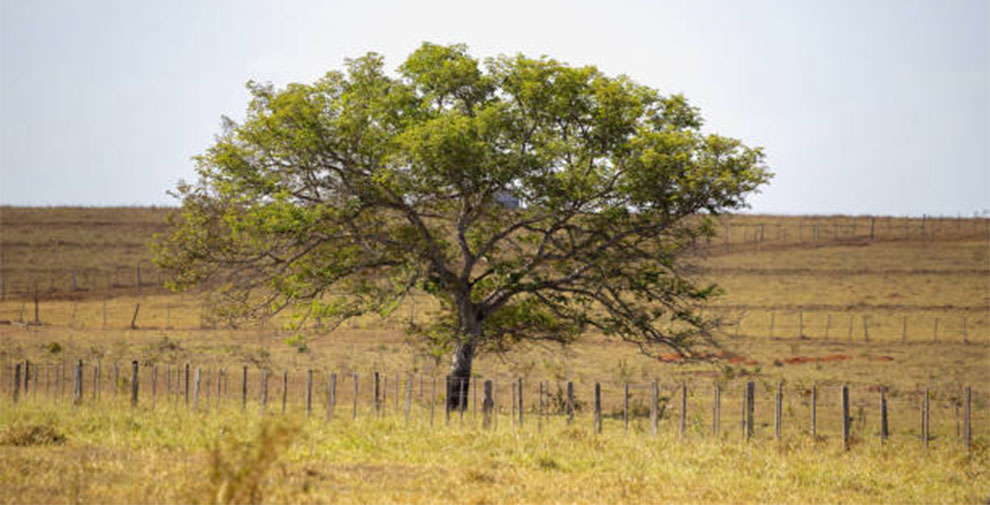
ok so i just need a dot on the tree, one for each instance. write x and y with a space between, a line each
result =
534 200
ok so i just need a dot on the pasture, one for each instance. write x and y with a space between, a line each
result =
881 304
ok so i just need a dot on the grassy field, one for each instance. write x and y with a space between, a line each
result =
877 299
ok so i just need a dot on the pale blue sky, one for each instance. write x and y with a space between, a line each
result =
862 106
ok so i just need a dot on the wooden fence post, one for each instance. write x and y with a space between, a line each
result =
409 392
935 331
866 328
654 407
539 413
570 402
800 325
448 388
814 410
461 398
199 374
96 381
520 388
884 431
487 406
354 413
598 408
137 307
378 392
77 389
828 324
513 401
331 395
771 325
309 393
683 425
845 416
965 336
925 418
116 379
186 385
433 398
716 410
27 376
285 388
750 407
154 383
967 420
903 329
221 381
264 390
495 404
134 383
625 407
17 382
779 410
244 388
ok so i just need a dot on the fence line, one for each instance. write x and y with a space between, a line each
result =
840 410
950 324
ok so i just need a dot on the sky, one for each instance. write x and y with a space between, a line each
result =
862 107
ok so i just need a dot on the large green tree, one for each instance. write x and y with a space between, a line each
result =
534 200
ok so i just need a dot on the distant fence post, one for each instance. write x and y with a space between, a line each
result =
309 392
331 395
487 405
17 382
285 388
779 410
925 418
967 420
570 402
264 390
378 392
433 398
134 383
935 331
654 407
520 402
186 387
409 392
750 407
683 425
884 431
598 408
354 413
199 373
244 388
814 410
903 329
137 307
845 416
154 383
625 407
77 390
716 410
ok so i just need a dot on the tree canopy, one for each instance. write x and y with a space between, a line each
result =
534 200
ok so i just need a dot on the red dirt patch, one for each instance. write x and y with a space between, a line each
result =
798 360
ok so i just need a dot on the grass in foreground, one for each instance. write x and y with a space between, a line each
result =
116 454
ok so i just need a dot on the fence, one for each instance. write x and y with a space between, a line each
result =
926 325
744 410
732 233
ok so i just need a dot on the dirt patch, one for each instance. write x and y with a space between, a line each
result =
799 360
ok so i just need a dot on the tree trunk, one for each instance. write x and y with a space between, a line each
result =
459 380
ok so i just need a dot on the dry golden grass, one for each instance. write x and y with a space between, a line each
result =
115 454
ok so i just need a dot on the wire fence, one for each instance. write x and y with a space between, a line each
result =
950 415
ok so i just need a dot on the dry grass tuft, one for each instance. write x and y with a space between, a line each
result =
31 435
238 469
